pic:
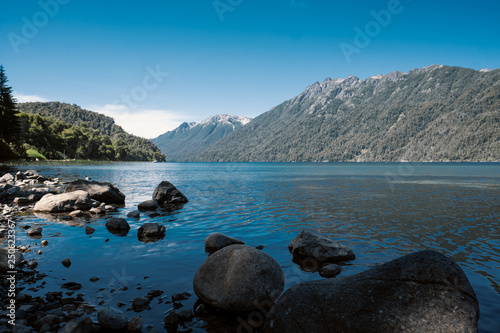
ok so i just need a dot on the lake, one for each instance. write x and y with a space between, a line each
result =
381 210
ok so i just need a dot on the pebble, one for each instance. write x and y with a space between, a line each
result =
66 262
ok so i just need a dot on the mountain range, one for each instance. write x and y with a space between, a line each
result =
190 139
436 113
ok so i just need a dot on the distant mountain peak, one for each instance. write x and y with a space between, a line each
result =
189 139
226 119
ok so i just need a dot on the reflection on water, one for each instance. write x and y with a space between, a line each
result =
381 210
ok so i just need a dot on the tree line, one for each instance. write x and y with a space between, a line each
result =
63 131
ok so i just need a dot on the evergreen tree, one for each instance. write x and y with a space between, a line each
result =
9 122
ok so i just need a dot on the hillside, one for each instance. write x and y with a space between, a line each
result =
60 130
189 139
436 113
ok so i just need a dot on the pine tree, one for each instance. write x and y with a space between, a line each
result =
9 122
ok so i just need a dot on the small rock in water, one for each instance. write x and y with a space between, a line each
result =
76 213
180 296
78 325
135 325
35 231
185 315
330 270
32 264
148 205
171 320
66 262
45 243
260 247
134 214
94 279
311 245
140 303
217 241
110 208
167 194
89 230
97 211
151 232
116 223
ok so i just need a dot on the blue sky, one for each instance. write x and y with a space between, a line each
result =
154 64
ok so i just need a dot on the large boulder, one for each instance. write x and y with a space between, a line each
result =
65 202
112 318
216 241
312 245
168 194
100 191
420 292
239 278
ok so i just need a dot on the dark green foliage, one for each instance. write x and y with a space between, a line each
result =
60 130
9 125
432 114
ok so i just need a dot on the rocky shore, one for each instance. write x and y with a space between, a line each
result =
238 285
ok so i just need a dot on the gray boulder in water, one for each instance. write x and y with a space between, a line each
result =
167 194
310 244
151 232
420 292
239 278
100 191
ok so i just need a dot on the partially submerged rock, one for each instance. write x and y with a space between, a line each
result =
167 194
78 325
239 278
117 225
35 231
420 292
313 246
217 241
100 191
112 318
66 202
151 232
148 205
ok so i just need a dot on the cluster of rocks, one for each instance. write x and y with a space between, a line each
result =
165 196
65 312
422 291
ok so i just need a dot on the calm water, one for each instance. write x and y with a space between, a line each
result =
381 210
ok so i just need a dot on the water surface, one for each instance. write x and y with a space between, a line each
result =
381 210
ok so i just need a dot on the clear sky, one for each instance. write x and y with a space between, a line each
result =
154 64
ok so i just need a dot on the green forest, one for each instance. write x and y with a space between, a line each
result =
57 131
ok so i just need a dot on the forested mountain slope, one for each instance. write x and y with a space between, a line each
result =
437 113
